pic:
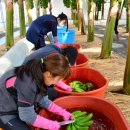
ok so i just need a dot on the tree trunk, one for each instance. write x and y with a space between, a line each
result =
50 7
128 16
72 15
96 13
21 18
28 12
102 16
82 26
76 19
9 23
78 14
108 37
90 36
126 84
44 11
37 8
121 8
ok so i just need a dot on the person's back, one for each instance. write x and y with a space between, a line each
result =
42 52
41 26
43 23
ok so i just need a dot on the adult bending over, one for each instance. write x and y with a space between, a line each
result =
42 25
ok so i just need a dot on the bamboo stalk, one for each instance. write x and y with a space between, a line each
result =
22 19
9 23
108 37
126 83
90 36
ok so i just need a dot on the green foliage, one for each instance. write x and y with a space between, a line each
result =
15 1
73 4
44 3
125 3
67 3
98 4
120 1
30 3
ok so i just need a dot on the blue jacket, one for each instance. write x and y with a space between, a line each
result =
40 27
44 51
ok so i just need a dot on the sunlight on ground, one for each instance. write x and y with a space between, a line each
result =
115 83
96 49
99 35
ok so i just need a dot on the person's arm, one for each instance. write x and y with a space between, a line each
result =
52 107
28 115
60 111
55 39
54 30
64 86
26 91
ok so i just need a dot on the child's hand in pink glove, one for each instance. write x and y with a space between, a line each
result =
64 86
44 123
60 111
66 116
68 88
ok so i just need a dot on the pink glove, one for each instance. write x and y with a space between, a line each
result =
60 111
62 85
44 123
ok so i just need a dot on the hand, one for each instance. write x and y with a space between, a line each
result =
69 89
55 124
66 116
60 111
64 86
44 123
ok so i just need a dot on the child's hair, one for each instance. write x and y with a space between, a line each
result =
56 64
71 53
63 16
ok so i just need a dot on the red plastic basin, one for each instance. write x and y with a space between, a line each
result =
102 106
81 61
84 75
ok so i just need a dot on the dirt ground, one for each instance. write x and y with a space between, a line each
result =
112 68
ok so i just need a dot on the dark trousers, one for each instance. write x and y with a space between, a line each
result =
52 94
14 124
41 43
17 124
116 25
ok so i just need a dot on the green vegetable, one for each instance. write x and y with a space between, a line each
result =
80 114
75 112
81 127
80 87
82 121
68 127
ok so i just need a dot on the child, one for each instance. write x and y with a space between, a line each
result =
42 25
70 53
25 87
